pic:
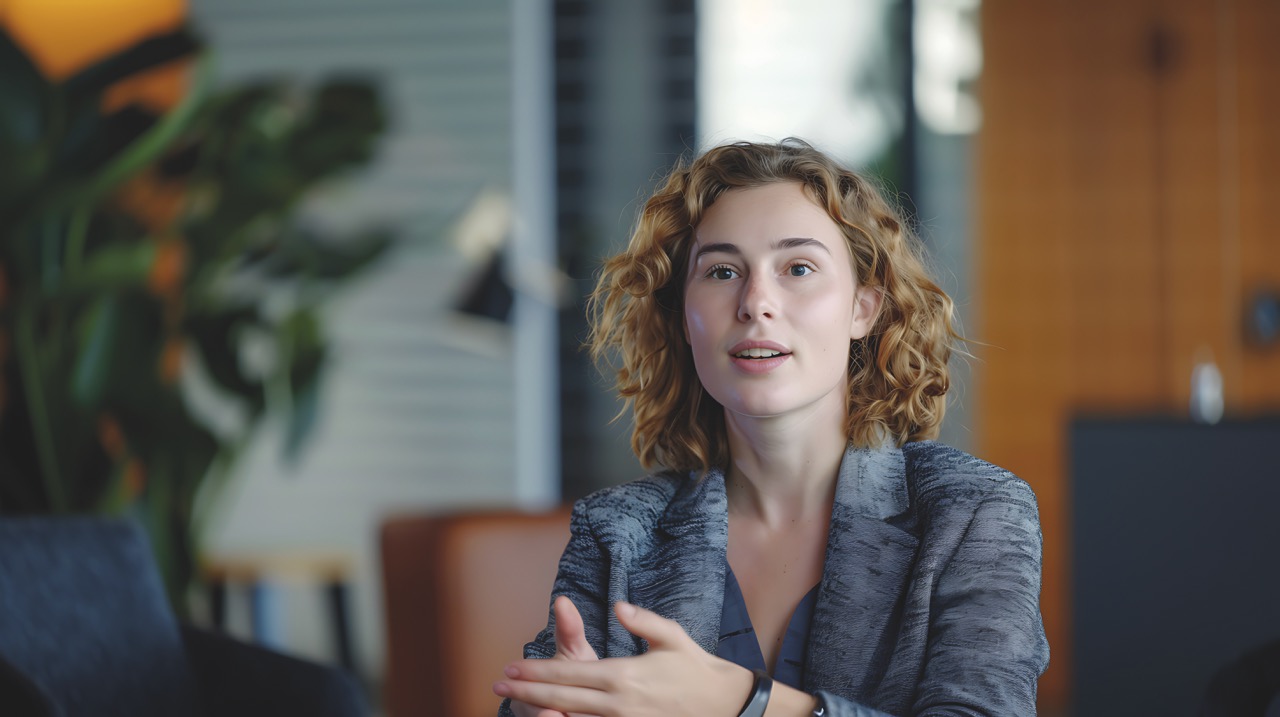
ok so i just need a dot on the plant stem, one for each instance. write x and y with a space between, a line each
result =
41 428
49 245
77 235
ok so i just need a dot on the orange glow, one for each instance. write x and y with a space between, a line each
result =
157 89
155 202
171 360
135 478
111 437
165 278
63 36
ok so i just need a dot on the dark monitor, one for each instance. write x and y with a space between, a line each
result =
1176 558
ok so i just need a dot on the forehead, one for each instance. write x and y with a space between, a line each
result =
766 213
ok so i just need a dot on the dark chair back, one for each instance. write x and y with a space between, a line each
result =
84 617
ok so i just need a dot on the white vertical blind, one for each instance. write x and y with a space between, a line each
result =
533 259
417 408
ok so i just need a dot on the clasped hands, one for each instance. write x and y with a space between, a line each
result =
675 677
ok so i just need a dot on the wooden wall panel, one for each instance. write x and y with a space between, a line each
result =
1201 312
1257 27
1128 174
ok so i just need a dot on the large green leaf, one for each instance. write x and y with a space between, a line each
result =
92 139
111 268
86 86
302 339
74 190
134 384
217 335
24 112
340 129
303 414
24 96
100 334
303 253
263 151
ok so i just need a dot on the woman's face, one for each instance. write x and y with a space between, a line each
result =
771 303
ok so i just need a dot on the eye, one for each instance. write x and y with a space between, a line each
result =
721 272
799 270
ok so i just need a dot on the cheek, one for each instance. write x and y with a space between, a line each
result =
692 325
700 331
698 317
830 314
694 336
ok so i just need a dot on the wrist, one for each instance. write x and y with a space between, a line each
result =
739 682
784 701
758 699
790 702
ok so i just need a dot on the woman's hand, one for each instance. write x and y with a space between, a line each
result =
571 644
675 677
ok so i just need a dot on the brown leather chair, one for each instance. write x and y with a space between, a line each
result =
463 593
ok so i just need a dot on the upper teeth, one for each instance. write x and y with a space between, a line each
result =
758 353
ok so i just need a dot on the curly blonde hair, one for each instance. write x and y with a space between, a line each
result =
898 376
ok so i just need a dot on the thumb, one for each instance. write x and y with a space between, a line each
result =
571 635
657 630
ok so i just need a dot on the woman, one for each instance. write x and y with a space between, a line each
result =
809 551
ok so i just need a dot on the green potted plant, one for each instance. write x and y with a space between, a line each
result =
142 252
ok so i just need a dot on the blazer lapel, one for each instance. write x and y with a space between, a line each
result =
867 565
683 577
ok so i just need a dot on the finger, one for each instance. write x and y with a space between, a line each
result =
656 629
562 698
571 634
523 709
594 674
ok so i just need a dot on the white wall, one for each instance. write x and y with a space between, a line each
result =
417 409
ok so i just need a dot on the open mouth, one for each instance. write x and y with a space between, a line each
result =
757 354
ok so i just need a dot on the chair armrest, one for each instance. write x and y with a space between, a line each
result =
242 680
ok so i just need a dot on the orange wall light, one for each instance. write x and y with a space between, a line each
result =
65 36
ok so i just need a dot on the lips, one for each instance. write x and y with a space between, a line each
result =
758 357
758 350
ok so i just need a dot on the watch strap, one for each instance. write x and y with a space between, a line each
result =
759 698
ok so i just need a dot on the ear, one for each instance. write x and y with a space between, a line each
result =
866 308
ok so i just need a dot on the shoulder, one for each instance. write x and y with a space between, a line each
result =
635 507
939 476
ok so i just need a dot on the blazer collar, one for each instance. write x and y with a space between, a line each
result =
683 579
865 575
699 504
867 563
872 484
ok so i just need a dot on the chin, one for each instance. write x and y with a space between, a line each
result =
773 404
762 406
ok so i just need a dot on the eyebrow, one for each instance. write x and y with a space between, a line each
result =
788 243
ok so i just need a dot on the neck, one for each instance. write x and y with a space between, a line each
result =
784 469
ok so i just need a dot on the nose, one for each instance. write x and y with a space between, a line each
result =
757 300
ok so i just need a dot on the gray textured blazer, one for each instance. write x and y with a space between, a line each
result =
930 596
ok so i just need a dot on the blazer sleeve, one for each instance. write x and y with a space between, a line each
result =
583 576
987 647
987 643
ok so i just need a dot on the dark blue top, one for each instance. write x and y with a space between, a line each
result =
738 643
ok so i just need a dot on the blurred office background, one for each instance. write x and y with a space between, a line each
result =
1094 182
